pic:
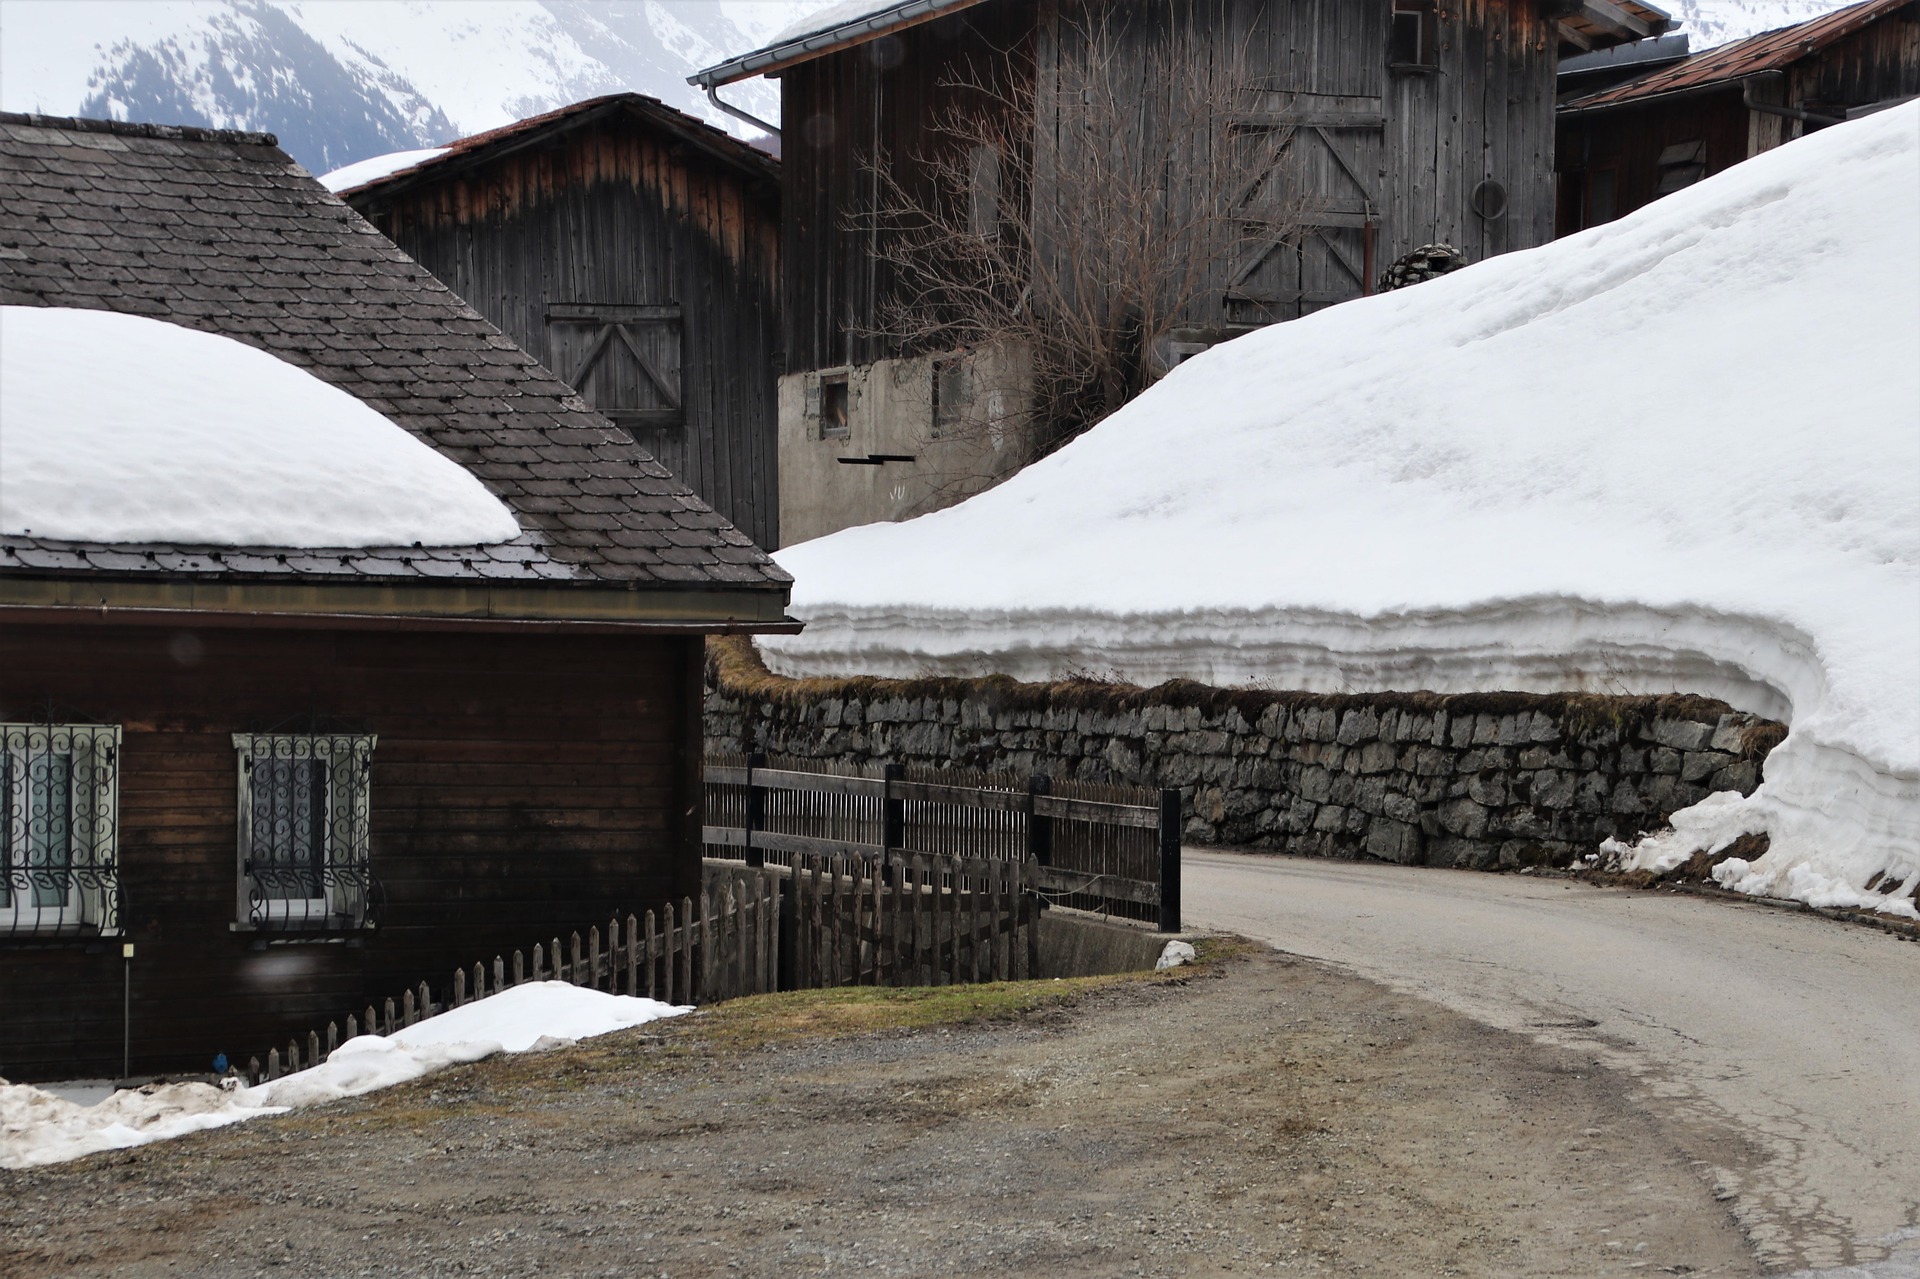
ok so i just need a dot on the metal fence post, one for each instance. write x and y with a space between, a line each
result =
1039 829
893 815
1169 860
756 817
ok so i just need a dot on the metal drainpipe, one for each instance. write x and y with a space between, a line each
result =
1801 114
713 96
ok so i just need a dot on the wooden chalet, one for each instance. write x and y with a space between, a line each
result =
289 780
1629 144
635 251
1408 122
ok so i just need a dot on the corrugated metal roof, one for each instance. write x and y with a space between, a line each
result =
1768 51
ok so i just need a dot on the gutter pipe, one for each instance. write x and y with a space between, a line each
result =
1801 114
773 56
713 96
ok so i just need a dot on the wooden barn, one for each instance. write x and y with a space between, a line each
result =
264 784
1399 123
634 251
1630 144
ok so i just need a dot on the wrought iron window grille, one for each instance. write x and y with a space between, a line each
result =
304 840
59 830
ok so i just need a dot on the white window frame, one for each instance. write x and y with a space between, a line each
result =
345 841
93 827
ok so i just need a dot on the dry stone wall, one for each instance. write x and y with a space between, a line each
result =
1482 780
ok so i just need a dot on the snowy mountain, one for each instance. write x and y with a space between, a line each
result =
342 80
1715 22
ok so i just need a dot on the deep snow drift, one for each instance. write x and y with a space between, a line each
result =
121 428
1677 452
38 1127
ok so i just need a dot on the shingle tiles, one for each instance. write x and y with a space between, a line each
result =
221 231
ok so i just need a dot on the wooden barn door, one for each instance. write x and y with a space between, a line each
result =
626 362
1310 209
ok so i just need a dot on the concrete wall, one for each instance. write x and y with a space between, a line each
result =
1483 780
891 412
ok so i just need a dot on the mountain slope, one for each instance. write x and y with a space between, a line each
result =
343 80
347 79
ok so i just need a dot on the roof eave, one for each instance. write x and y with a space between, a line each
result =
748 160
777 57
681 607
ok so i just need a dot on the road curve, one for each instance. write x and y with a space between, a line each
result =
1785 1047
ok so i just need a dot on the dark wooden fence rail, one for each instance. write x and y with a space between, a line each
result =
1108 848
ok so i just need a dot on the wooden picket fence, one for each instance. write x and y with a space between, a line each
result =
917 920
720 945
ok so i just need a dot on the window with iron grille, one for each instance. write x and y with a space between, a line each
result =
59 829
304 811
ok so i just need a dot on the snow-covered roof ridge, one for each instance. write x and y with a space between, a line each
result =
224 234
402 166
1415 491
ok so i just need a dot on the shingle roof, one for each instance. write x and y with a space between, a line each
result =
222 231
722 146
1769 51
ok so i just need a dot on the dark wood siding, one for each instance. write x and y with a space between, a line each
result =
522 786
878 98
1485 112
612 214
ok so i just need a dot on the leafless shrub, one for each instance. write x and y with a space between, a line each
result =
1075 218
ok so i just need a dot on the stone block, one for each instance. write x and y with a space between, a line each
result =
1680 734
1331 817
1552 788
1730 733
1742 776
1393 841
1462 817
1315 784
1700 765
1488 787
1361 724
1402 808
1376 757
1432 761
1664 759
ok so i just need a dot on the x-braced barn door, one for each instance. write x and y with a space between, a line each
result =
626 362
1309 215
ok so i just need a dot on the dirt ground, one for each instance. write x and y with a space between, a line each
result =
1266 1115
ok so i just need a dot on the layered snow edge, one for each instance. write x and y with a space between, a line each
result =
1406 493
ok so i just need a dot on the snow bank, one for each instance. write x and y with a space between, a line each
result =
1677 452
38 1127
358 174
121 428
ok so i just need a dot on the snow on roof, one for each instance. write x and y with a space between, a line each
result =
361 172
121 428
39 1126
1470 485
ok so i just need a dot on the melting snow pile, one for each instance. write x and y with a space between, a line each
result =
1679 452
38 1127
358 174
121 428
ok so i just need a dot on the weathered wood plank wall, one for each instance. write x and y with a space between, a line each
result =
521 785
614 214
1421 142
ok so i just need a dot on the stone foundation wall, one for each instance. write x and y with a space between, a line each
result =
1495 780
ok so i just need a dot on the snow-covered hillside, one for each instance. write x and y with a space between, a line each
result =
1501 480
1715 22
343 80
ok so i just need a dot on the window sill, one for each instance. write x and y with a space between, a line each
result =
1413 68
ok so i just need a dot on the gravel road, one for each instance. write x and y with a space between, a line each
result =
1799 1034
1268 1116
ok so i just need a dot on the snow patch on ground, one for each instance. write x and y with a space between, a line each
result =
39 1126
1501 479
121 428
350 176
